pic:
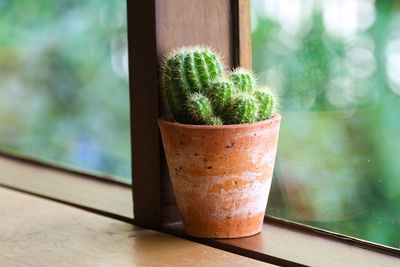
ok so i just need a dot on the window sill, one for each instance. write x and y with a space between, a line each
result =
73 237
85 191
284 244
279 243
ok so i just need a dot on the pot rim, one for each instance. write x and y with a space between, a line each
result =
274 120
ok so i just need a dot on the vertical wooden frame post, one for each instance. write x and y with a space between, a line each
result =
243 33
154 28
143 65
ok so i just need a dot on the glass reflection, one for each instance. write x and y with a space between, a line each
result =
336 66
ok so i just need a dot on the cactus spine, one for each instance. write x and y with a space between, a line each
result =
200 110
221 92
266 102
243 80
185 71
215 121
244 109
196 91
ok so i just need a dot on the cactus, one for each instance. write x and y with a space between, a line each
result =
221 92
185 71
196 91
243 80
244 109
200 110
266 102
215 121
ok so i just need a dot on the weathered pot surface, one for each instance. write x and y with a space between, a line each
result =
221 175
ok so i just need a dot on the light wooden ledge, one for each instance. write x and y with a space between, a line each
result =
286 245
39 232
65 186
308 248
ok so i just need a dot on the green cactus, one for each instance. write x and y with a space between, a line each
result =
187 70
221 93
266 102
215 121
200 110
243 80
244 109
196 91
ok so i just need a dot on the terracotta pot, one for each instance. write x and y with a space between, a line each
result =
221 175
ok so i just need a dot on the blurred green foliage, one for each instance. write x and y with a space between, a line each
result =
336 66
64 82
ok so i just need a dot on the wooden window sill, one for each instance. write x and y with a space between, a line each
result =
285 244
39 232
77 189
279 243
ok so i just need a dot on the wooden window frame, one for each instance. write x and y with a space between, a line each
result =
152 30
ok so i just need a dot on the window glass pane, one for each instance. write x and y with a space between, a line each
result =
64 82
336 66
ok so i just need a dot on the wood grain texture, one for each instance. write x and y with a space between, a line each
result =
193 22
38 232
64 186
244 34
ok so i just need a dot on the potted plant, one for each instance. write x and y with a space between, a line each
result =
220 141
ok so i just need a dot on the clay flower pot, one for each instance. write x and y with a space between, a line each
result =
221 175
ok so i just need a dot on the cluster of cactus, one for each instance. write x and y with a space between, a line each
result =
196 90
